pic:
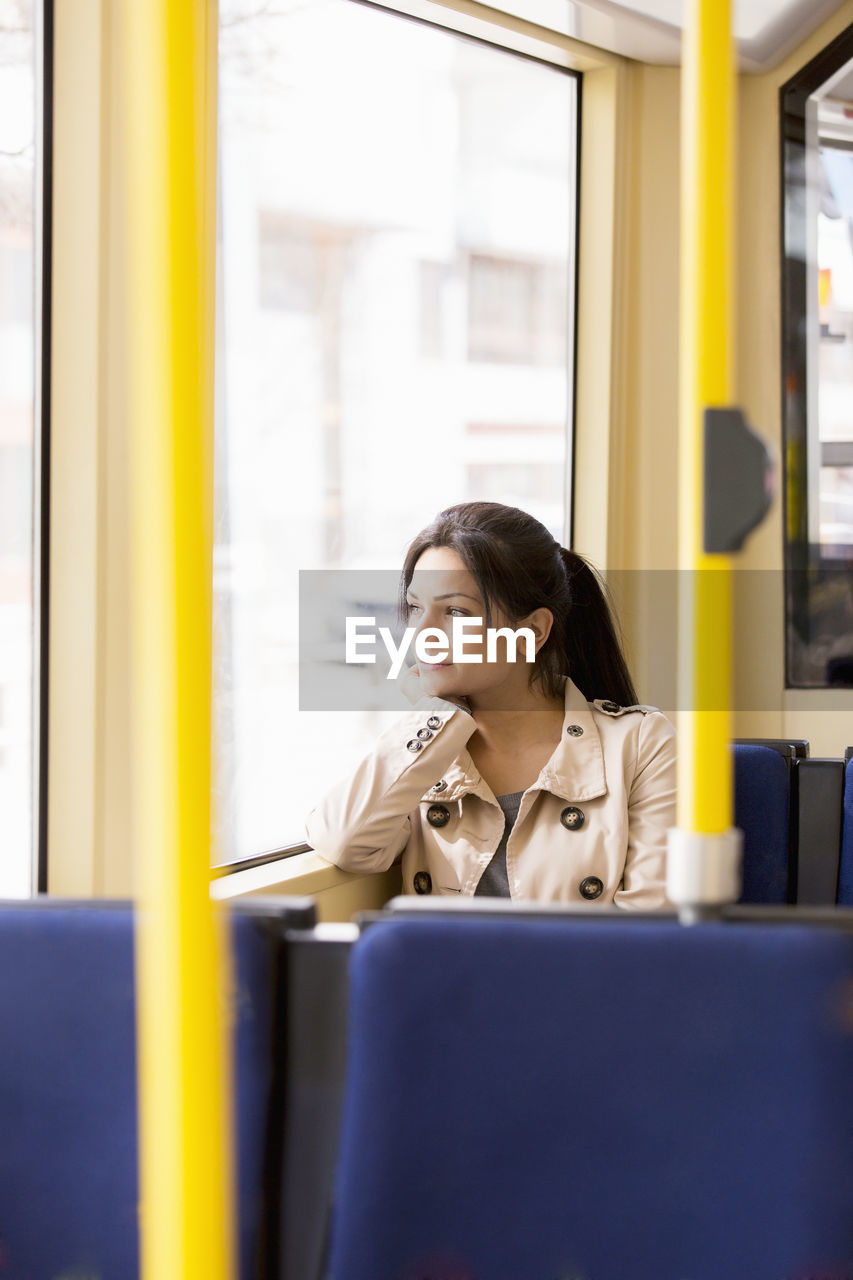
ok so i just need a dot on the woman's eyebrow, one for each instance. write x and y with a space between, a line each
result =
450 595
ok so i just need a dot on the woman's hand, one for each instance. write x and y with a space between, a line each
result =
410 684
412 687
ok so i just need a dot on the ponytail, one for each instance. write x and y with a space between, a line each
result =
593 653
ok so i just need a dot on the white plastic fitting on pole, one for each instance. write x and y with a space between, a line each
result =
703 870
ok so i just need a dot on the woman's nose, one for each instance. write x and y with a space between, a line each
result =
432 618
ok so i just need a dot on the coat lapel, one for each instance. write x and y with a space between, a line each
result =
576 769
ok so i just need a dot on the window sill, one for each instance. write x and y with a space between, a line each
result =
338 894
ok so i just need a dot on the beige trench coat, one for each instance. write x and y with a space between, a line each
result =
591 828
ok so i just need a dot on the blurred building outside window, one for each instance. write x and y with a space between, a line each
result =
17 361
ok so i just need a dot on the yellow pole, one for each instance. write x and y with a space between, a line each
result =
184 1076
708 107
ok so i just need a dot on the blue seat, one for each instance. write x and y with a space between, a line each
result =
761 802
536 1099
68 1130
845 872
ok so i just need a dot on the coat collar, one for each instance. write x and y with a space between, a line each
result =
574 772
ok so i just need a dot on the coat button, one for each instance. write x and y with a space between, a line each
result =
438 815
591 887
610 706
423 882
424 734
434 722
574 730
414 745
573 818
440 786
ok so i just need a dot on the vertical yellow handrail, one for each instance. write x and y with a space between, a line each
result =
708 88
169 66
703 865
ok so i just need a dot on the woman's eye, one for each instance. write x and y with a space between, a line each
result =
451 609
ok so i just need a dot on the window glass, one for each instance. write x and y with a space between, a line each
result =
394 335
835 309
17 345
818 357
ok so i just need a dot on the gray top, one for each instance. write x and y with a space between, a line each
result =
494 882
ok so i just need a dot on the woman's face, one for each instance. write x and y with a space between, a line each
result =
442 589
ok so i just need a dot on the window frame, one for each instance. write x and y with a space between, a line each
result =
42 328
90 777
526 43
798 554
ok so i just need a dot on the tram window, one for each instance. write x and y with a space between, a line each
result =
395 307
817 140
17 440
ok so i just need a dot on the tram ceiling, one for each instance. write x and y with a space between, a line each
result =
650 30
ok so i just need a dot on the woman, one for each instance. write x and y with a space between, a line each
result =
531 779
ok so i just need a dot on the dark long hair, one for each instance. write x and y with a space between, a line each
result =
519 567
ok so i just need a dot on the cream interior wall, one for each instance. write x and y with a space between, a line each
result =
75 589
824 717
646 543
89 794
644 549
652 288
598 448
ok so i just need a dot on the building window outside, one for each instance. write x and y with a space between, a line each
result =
395 318
17 360
516 311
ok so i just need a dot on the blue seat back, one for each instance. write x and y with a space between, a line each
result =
68 1129
761 802
845 872
596 1100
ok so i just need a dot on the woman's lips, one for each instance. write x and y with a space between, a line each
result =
434 666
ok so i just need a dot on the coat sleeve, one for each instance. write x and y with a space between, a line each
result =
651 812
364 822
